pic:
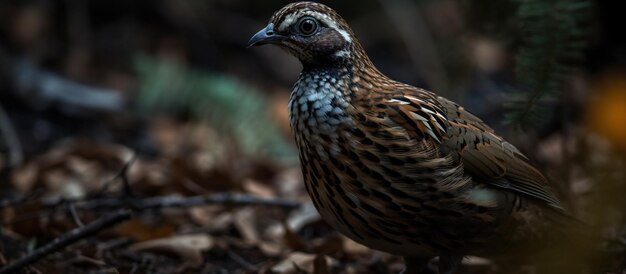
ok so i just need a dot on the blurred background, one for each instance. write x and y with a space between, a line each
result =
164 96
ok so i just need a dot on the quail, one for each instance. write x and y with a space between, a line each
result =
395 167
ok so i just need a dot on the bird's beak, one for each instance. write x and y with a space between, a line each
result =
265 36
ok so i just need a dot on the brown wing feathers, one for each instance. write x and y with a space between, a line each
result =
424 118
485 156
488 157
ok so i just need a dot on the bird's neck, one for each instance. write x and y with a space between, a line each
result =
341 77
319 100
331 85
324 84
352 60
322 97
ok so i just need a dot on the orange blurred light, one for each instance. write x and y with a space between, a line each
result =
606 114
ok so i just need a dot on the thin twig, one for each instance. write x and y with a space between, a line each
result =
242 262
122 174
67 239
171 201
155 203
35 83
15 201
72 210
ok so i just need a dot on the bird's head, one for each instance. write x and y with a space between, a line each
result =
312 32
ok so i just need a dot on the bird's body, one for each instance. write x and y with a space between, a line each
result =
395 167
388 185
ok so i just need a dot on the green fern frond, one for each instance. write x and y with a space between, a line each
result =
553 38
227 104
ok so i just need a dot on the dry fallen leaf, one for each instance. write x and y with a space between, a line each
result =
476 261
204 215
305 215
352 247
271 249
26 222
300 261
299 218
289 183
149 176
292 240
85 261
140 230
320 265
189 248
331 244
81 161
257 188
245 223
24 177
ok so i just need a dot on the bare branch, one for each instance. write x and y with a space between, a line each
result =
172 201
67 239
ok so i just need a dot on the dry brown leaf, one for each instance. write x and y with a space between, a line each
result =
271 249
292 239
56 179
85 261
258 188
89 171
296 259
330 244
10 234
222 221
299 260
320 265
24 177
350 269
299 218
289 183
28 221
305 215
7 214
83 162
352 247
205 215
142 231
168 134
187 247
245 224
150 177
476 261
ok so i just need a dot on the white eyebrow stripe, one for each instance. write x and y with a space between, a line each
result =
289 19
325 19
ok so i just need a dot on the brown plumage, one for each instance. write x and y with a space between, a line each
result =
395 167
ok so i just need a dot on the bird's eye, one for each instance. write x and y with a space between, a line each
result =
307 26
